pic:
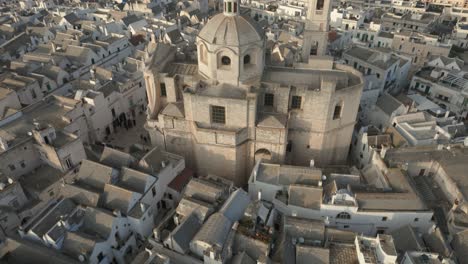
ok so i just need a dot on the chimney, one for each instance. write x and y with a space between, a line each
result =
383 151
54 47
3 144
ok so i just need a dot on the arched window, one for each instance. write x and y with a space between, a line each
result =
225 60
343 215
247 59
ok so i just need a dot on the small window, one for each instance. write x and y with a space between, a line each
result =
218 114
163 89
378 75
235 7
416 219
12 167
384 218
346 226
140 84
225 60
289 146
296 102
68 162
23 164
319 5
229 7
269 99
337 111
169 196
153 191
246 59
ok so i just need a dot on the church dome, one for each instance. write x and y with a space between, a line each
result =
231 31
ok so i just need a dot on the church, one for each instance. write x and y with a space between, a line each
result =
232 109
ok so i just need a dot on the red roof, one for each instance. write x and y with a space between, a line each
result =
181 180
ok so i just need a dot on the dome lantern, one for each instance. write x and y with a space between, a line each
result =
231 7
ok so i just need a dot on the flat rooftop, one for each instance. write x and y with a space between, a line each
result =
311 78
287 175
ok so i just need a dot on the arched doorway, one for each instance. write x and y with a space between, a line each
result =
262 154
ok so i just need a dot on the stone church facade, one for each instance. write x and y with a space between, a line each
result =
231 109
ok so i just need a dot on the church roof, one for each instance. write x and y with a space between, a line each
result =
273 120
231 30
174 110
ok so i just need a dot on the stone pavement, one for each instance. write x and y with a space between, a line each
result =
124 138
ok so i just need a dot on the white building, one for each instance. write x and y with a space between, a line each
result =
446 87
342 200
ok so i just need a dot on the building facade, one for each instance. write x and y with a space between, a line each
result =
231 109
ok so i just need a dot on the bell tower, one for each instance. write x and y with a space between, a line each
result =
316 29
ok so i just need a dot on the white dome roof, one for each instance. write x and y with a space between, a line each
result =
231 30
